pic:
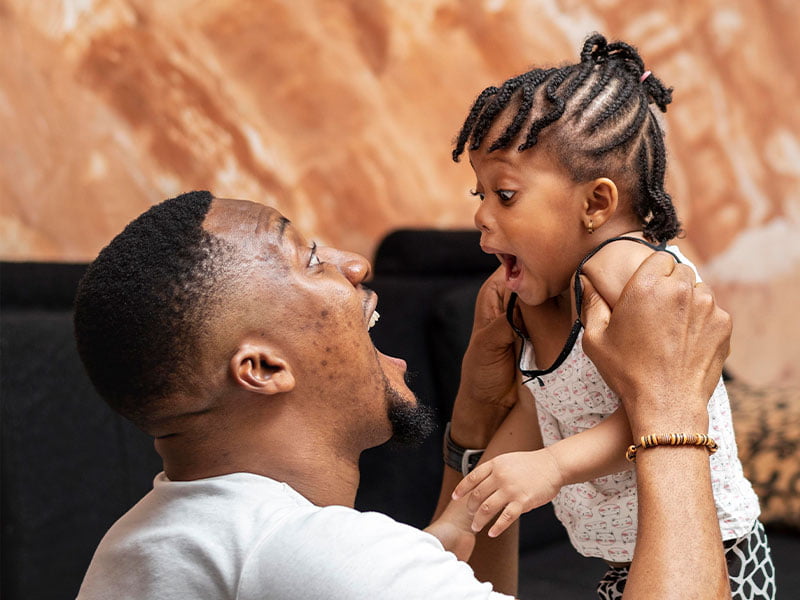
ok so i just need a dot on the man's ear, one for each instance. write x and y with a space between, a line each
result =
600 202
258 368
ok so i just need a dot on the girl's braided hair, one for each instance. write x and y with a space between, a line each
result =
605 127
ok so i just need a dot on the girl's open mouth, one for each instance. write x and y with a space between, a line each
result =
513 271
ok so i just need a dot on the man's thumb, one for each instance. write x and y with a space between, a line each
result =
595 313
499 331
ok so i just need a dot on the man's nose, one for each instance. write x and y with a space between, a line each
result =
353 266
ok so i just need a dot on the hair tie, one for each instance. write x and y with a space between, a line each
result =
644 76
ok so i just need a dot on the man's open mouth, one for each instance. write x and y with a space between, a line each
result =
373 319
370 306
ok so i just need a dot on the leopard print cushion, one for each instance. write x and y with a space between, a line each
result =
767 425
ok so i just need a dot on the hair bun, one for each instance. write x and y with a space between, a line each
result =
595 48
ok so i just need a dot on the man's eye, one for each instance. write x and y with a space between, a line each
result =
505 195
313 259
476 193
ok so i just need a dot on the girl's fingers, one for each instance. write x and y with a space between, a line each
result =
487 509
481 494
510 514
471 481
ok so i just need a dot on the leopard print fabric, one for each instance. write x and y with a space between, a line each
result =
767 425
750 570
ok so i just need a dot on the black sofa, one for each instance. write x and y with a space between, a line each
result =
71 466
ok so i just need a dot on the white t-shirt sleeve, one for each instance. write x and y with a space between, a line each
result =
338 553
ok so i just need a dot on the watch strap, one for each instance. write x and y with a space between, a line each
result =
457 457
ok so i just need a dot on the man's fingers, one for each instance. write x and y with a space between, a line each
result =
595 313
490 302
658 264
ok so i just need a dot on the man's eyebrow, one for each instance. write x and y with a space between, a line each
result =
282 223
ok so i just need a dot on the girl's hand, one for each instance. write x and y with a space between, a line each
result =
515 482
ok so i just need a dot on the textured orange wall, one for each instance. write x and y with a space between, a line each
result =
341 113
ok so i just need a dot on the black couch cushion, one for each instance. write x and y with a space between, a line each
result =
70 465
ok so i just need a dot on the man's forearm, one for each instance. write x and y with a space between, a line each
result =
493 559
679 547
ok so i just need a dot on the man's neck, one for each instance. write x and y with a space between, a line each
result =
323 475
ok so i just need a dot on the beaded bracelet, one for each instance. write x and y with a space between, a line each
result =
672 439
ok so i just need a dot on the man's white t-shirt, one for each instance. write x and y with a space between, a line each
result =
245 536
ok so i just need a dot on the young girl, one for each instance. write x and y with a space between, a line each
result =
570 167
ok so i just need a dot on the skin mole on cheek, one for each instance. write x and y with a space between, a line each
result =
323 313
327 348
324 363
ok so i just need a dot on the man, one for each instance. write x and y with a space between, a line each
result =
244 350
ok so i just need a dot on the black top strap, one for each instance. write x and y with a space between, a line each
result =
577 325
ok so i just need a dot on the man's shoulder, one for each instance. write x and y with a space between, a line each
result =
180 525
205 503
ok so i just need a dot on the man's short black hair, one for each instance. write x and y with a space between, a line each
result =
144 301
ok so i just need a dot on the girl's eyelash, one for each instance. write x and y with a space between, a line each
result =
474 192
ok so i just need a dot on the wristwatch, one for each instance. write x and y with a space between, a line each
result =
461 459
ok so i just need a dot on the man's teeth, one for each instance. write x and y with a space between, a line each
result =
373 319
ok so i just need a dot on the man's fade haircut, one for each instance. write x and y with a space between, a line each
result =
602 125
142 304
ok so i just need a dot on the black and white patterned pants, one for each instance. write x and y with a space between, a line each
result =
750 569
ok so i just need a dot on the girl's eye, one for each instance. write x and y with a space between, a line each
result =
313 259
477 193
505 195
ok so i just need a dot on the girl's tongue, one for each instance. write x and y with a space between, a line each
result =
513 271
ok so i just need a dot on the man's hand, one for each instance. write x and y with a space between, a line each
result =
662 348
453 530
487 390
515 482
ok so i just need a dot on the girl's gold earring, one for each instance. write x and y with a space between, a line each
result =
590 227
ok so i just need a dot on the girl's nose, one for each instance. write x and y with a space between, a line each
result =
482 219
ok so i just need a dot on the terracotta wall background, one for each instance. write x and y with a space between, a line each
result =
341 113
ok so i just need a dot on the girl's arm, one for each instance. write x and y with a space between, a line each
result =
596 452
517 482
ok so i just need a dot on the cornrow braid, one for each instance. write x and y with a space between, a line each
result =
469 124
530 82
494 108
554 115
598 120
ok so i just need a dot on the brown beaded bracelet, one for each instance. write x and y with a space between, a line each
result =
672 439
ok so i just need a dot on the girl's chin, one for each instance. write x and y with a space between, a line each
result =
531 297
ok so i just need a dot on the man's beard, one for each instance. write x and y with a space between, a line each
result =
411 422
